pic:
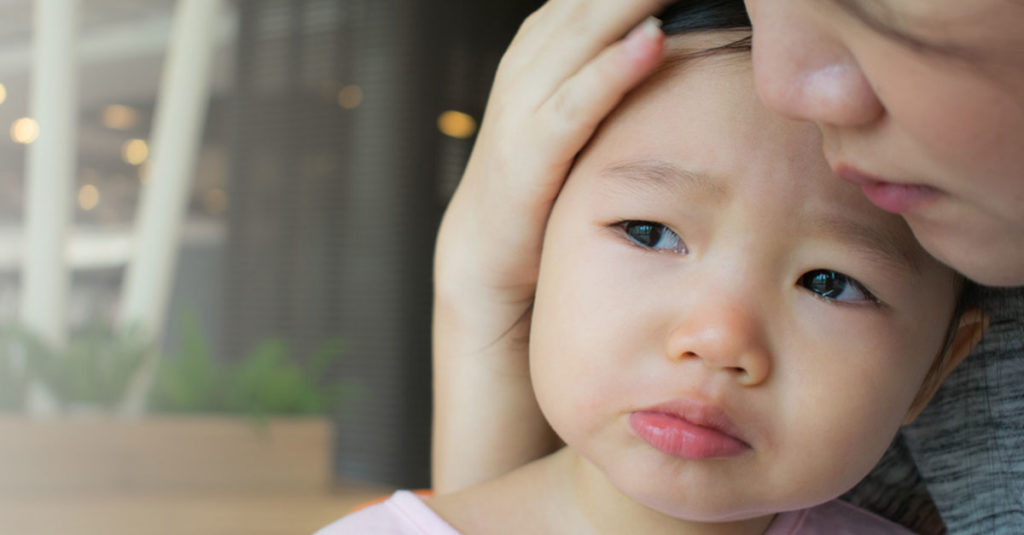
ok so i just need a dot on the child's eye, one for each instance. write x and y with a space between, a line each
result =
653 236
835 286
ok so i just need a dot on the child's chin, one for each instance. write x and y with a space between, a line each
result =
693 504
702 512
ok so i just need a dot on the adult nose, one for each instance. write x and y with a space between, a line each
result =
728 338
803 68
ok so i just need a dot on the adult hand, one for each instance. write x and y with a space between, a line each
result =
566 69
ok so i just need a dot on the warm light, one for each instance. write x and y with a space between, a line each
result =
3 93
134 152
456 124
350 96
117 117
215 201
25 130
88 197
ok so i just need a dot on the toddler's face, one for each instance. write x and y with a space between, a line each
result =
721 326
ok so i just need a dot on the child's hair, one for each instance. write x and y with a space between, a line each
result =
969 297
692 15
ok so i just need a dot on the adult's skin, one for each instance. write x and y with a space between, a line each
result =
936 102
927 95
567 67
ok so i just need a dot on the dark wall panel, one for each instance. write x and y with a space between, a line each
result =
335 210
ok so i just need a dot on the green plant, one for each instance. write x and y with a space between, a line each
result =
190 381
98 363
93 369
17 347
269 380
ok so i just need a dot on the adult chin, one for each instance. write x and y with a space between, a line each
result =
991 254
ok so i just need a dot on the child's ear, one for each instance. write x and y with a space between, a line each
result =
968 333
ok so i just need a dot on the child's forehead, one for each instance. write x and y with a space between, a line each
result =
699 133
683 50
703 118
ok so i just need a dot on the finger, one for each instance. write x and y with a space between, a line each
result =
532 33
580 30
576 109
529 178
535 31
539 26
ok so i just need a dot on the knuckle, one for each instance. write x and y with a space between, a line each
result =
566 112
607 79
581 19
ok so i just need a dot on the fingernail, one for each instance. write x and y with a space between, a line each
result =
646 31
651 26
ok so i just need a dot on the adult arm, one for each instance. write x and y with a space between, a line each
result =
567 67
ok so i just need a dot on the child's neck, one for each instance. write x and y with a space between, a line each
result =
565 494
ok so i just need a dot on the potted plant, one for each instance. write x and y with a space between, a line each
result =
256 424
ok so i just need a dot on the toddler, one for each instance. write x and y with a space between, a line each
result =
725 336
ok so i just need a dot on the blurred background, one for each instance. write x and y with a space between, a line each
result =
216 227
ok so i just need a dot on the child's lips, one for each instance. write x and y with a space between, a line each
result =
688 429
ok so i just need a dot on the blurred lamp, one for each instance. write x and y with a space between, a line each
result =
117 117
25 130
350 97
456 124
134 152
88 197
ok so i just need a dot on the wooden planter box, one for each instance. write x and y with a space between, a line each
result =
163 454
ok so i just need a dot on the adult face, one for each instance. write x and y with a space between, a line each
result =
723 329
921 103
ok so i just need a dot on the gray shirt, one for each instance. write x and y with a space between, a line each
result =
967 448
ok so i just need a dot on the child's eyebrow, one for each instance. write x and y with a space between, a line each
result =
663 175
892 248
888 246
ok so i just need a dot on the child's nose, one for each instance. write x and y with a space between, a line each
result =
730 339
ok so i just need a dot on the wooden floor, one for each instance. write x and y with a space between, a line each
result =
196 476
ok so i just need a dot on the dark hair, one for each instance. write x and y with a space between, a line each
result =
697 15
708 15
970 297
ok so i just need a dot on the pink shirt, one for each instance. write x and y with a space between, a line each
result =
405 514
